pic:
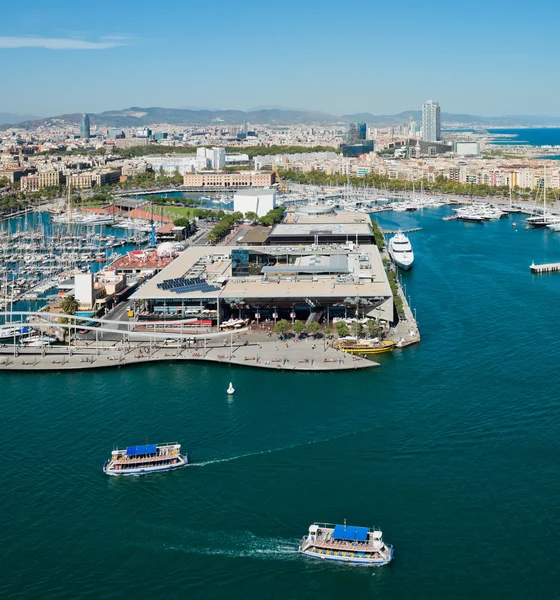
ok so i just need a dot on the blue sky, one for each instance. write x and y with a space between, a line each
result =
489 58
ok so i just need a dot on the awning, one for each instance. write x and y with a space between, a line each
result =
350 533
135 450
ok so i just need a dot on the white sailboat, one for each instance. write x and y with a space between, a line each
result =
231 389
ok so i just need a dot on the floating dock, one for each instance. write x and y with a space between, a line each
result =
546 268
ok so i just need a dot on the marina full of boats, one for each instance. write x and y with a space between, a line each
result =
35 254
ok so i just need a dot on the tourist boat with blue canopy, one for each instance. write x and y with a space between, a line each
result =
346 543
151 458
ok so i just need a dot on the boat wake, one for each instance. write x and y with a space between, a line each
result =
217 461
243 545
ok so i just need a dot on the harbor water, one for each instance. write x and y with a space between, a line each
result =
450 446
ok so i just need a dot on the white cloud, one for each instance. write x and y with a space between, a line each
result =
58 43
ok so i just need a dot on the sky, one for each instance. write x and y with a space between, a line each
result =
488 58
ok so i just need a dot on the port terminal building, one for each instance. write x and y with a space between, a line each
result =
314 266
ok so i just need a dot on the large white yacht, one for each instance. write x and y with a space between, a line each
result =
400 251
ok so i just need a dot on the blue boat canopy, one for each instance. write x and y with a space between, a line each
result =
135 450
350 533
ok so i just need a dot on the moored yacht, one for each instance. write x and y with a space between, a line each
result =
11 331
345 543
151 458
400 251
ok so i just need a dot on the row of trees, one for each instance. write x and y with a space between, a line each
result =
440 185
283 327
224 226
373 328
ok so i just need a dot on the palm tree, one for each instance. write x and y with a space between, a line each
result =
69 305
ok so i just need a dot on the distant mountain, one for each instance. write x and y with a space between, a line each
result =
137 117
14 119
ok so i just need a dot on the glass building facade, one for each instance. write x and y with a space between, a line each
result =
85 128
357 132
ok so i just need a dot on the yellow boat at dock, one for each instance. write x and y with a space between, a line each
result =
367 346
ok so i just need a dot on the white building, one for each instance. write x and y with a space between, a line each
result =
257 201
431 121
83 290
214 158
466 148
218 158
172 164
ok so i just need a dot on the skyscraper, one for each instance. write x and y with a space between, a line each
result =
357 132
85 129
431 121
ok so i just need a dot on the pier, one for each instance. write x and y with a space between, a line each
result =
545 268
390 231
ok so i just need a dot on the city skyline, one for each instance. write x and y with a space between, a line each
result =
143 57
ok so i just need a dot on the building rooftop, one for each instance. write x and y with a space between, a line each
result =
358 272
320 228
256 192
255 235
339 216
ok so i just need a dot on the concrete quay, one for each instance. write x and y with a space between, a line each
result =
304 355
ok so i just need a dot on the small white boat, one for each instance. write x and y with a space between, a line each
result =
231 389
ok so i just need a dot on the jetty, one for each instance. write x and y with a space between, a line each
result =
391 231
545 268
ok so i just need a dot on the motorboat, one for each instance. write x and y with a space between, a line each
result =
37 341
13 331
347 544
400 251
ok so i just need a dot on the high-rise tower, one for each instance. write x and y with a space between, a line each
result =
356 133
431 121
85 128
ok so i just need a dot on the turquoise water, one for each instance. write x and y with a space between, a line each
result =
545 136
450 446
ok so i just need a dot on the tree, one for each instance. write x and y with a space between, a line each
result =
69 305
251 216
282 327
373 327
328 333
181 222
298 327
312 328
342 329
357 329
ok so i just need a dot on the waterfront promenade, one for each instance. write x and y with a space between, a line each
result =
289 355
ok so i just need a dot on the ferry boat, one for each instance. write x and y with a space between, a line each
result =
345 543
367 346
151 458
